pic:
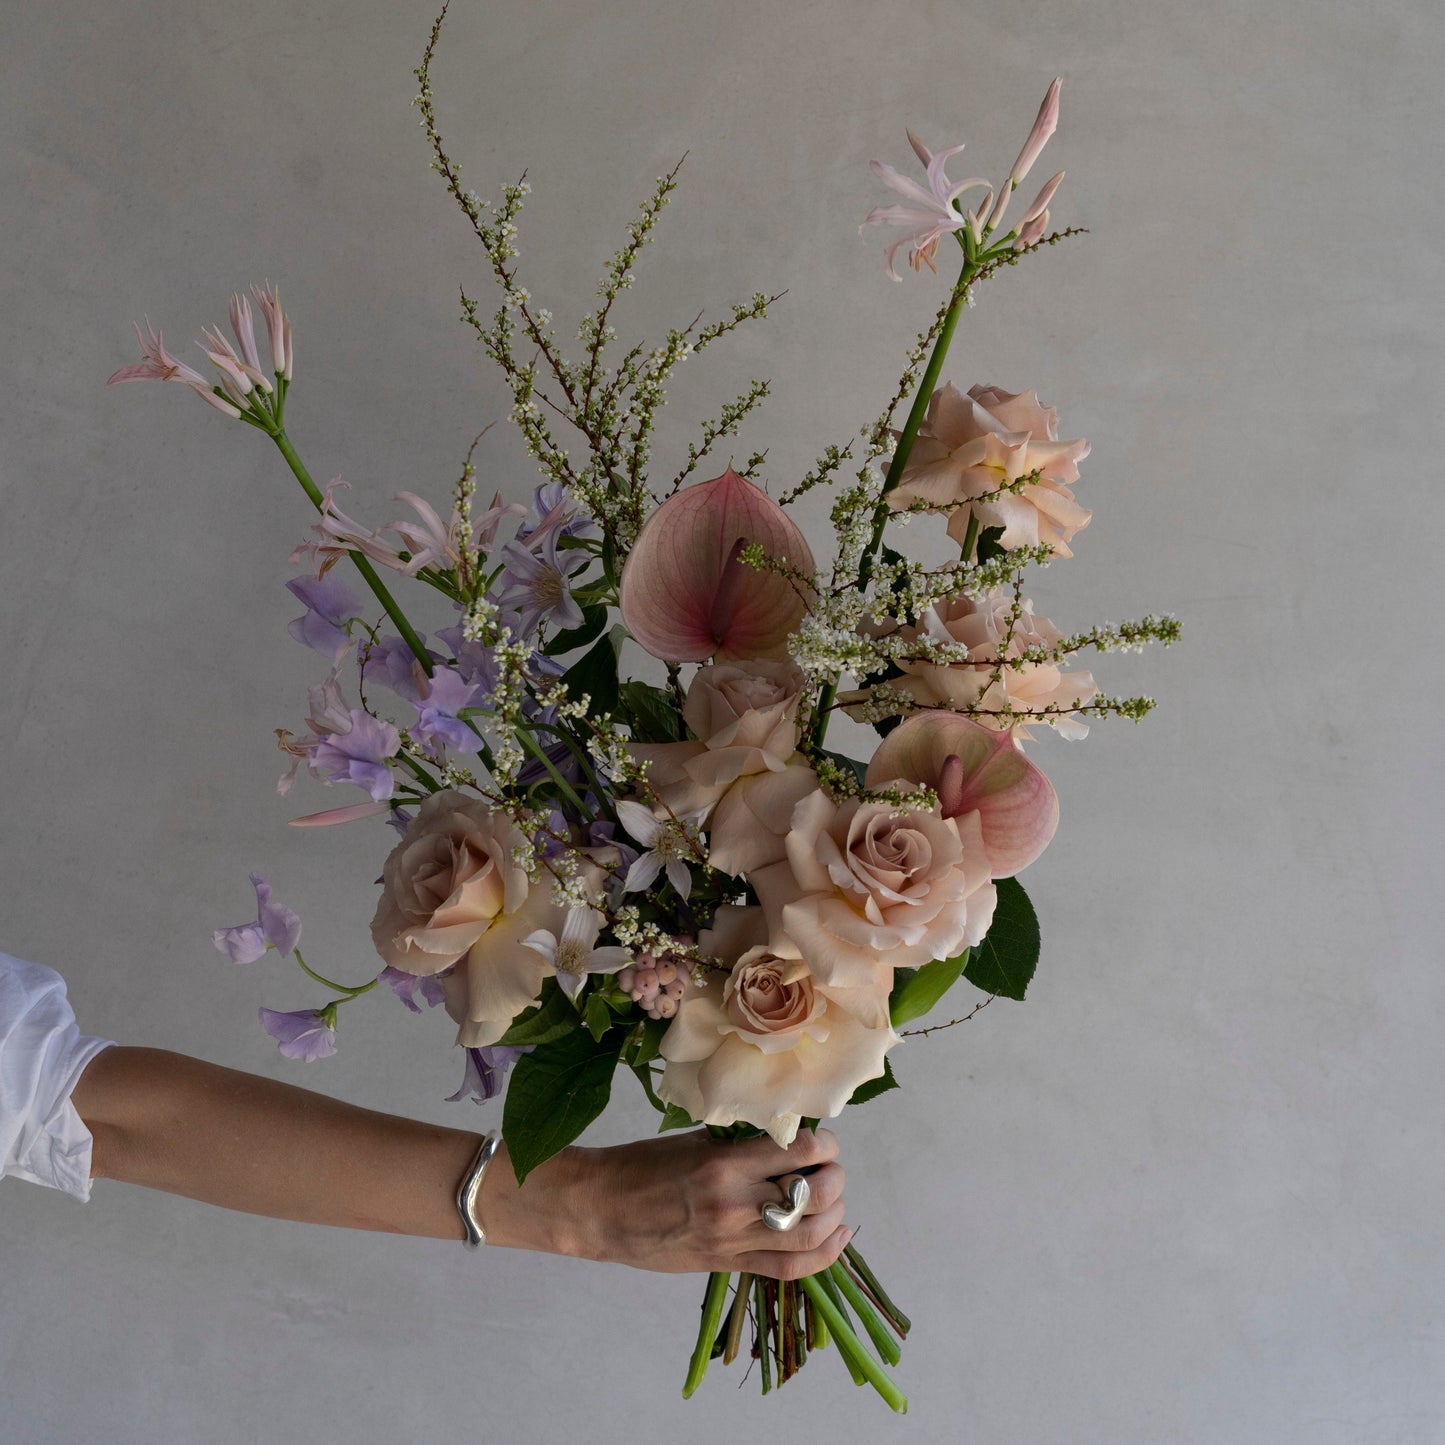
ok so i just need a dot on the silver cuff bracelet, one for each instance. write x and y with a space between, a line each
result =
469 1188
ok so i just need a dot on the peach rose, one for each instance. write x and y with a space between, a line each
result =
452 890
987 691
767 1043
869 883
970 445
744 769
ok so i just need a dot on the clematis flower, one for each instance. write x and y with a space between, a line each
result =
276 926
307 1035
927 214
330 604
666 843
536 584
974 769
686 595
573 952
484 1070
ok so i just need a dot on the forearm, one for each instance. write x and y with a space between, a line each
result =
177 1124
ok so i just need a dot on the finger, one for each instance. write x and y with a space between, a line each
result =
783 1264
762 1158
825 1187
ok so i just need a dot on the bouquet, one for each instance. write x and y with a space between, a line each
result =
676 878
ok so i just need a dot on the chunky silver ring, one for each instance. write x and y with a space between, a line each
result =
784 1217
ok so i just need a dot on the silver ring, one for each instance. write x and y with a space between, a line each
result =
784 1217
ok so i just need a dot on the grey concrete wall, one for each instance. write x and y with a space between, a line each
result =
1190 1191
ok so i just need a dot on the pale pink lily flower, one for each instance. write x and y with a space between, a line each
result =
278 328
157 364
1045 124
686 595
340 535
974 769
1041 201
929 213
1033 232
237 377
244 327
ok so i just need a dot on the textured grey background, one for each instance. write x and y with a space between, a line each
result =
1190 1191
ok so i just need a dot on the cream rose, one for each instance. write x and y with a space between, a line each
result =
766 1043
453 893
970 445
867 883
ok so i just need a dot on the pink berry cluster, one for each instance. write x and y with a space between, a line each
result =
656 984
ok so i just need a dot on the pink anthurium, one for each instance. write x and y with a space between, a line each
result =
686 594
974 769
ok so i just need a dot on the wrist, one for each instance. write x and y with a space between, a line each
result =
550 1213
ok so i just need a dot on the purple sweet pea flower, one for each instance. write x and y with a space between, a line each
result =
554 508
436 715
392 663
405 985
476 663
484 1072
329 604
307 1035
276 926
359 755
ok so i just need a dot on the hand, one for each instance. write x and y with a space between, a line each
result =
680 1203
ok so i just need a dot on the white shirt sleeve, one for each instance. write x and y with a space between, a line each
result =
42 1056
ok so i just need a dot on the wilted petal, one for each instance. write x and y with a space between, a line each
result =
685 594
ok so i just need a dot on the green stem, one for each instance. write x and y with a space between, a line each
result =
901 454
363 564
850 1344
712 1308
329 983
736 1315
537 751
900 1321
826 1280
760 1309
970 537
883 1342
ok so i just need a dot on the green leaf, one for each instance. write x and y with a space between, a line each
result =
988 546
1005 961
675 1117
594 619
871 1088
553 1017
597 1015
649 1040
652 712
859 770
916 990
554 1094
595 673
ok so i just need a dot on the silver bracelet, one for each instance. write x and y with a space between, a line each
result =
469 1188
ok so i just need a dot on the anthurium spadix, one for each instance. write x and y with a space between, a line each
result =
686 593
973 768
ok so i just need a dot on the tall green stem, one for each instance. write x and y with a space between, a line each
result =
363 564
712 1308
852 1346
901 454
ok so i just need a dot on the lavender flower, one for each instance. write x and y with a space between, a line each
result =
535 584
395 666
330 604
358 755
307 1035
276 926
474 661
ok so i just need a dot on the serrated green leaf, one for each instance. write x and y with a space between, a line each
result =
871 1088
594 619
675 1117
652 713
550 1019
595 673
1004 962
916 990
597 1016
554 1094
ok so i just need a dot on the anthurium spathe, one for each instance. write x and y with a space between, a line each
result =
686 593
973 768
